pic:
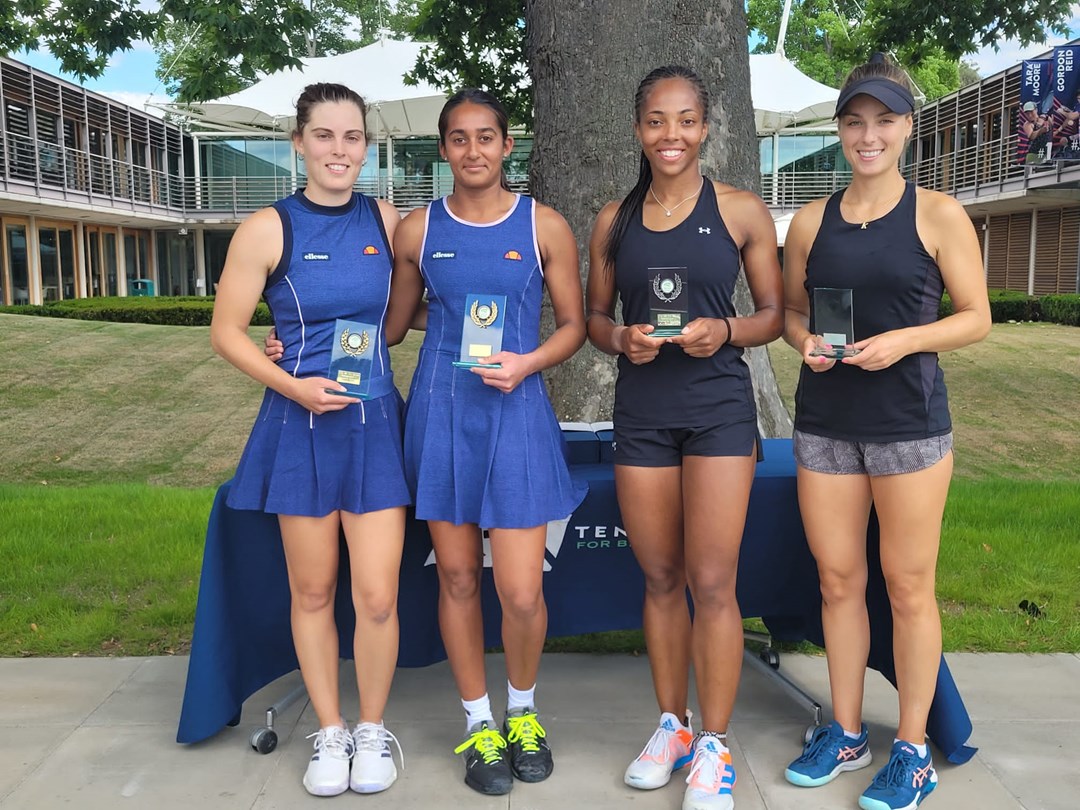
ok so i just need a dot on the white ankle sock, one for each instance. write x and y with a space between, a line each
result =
520 698
477 711
920 749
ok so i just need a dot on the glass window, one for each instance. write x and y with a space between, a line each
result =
50 264
93 261
765 154
108 240
20 270
67 262
216 244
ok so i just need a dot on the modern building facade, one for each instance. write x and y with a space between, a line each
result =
1028 215
99 198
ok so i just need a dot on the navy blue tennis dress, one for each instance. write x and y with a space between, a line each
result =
472 453
335 264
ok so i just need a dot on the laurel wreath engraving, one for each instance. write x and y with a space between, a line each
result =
483 323
347 344
660 294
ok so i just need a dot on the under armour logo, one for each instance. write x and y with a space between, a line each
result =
704 230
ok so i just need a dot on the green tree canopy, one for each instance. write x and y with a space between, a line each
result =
193 67
229 41
476 43
827 38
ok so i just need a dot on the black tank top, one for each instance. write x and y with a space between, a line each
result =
676 390
895 284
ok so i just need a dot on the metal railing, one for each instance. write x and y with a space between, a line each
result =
51 171
789 190
55 171
983 168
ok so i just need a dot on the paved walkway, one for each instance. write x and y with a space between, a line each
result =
98 734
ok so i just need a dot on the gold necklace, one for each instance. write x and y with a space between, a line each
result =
891 205
669 211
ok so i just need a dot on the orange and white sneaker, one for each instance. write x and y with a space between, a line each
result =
712 776
667 750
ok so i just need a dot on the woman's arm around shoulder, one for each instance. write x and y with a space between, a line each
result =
633 340
406 283
802 231
254 252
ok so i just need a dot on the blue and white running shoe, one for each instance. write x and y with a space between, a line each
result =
829 753
903 783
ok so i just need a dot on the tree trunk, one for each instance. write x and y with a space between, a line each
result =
586 58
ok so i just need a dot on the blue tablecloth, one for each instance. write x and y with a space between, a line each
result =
242 639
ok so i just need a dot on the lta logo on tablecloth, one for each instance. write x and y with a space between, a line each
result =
556 531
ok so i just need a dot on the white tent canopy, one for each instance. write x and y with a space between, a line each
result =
375 71
784 97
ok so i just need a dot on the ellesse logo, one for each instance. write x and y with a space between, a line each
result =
443 254
371 250
512 254
311 256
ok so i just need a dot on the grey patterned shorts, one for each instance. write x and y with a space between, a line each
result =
840 457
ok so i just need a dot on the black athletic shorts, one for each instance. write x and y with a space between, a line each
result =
643 447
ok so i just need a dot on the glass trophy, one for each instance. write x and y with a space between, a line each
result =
351 357
832 323
669 298
481 330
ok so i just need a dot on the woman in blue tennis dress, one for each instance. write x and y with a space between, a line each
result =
321 461
475 454
483 449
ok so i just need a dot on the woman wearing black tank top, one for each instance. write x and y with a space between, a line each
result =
685 423
873 427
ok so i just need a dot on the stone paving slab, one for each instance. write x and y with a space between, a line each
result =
99 734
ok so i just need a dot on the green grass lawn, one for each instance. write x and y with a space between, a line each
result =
116 434
99 570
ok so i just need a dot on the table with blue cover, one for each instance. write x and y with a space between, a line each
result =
242 639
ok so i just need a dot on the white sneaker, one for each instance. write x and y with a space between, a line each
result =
712 776
373 766
328 771
667 750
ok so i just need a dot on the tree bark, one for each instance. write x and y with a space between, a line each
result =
586 58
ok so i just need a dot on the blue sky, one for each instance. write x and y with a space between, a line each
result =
130 75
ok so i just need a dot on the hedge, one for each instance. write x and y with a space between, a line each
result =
161 310
1008 305
1005 305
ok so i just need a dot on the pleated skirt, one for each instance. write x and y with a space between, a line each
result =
298 463
476 455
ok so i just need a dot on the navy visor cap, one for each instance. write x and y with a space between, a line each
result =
894 96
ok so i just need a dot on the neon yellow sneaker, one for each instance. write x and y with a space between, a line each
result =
487 766
530 756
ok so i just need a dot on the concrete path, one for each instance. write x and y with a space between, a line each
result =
98 734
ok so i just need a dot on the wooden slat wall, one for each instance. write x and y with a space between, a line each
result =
1047 251
998 258
1069 257
1016 274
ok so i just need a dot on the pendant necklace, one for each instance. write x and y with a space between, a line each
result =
670 211
865 222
